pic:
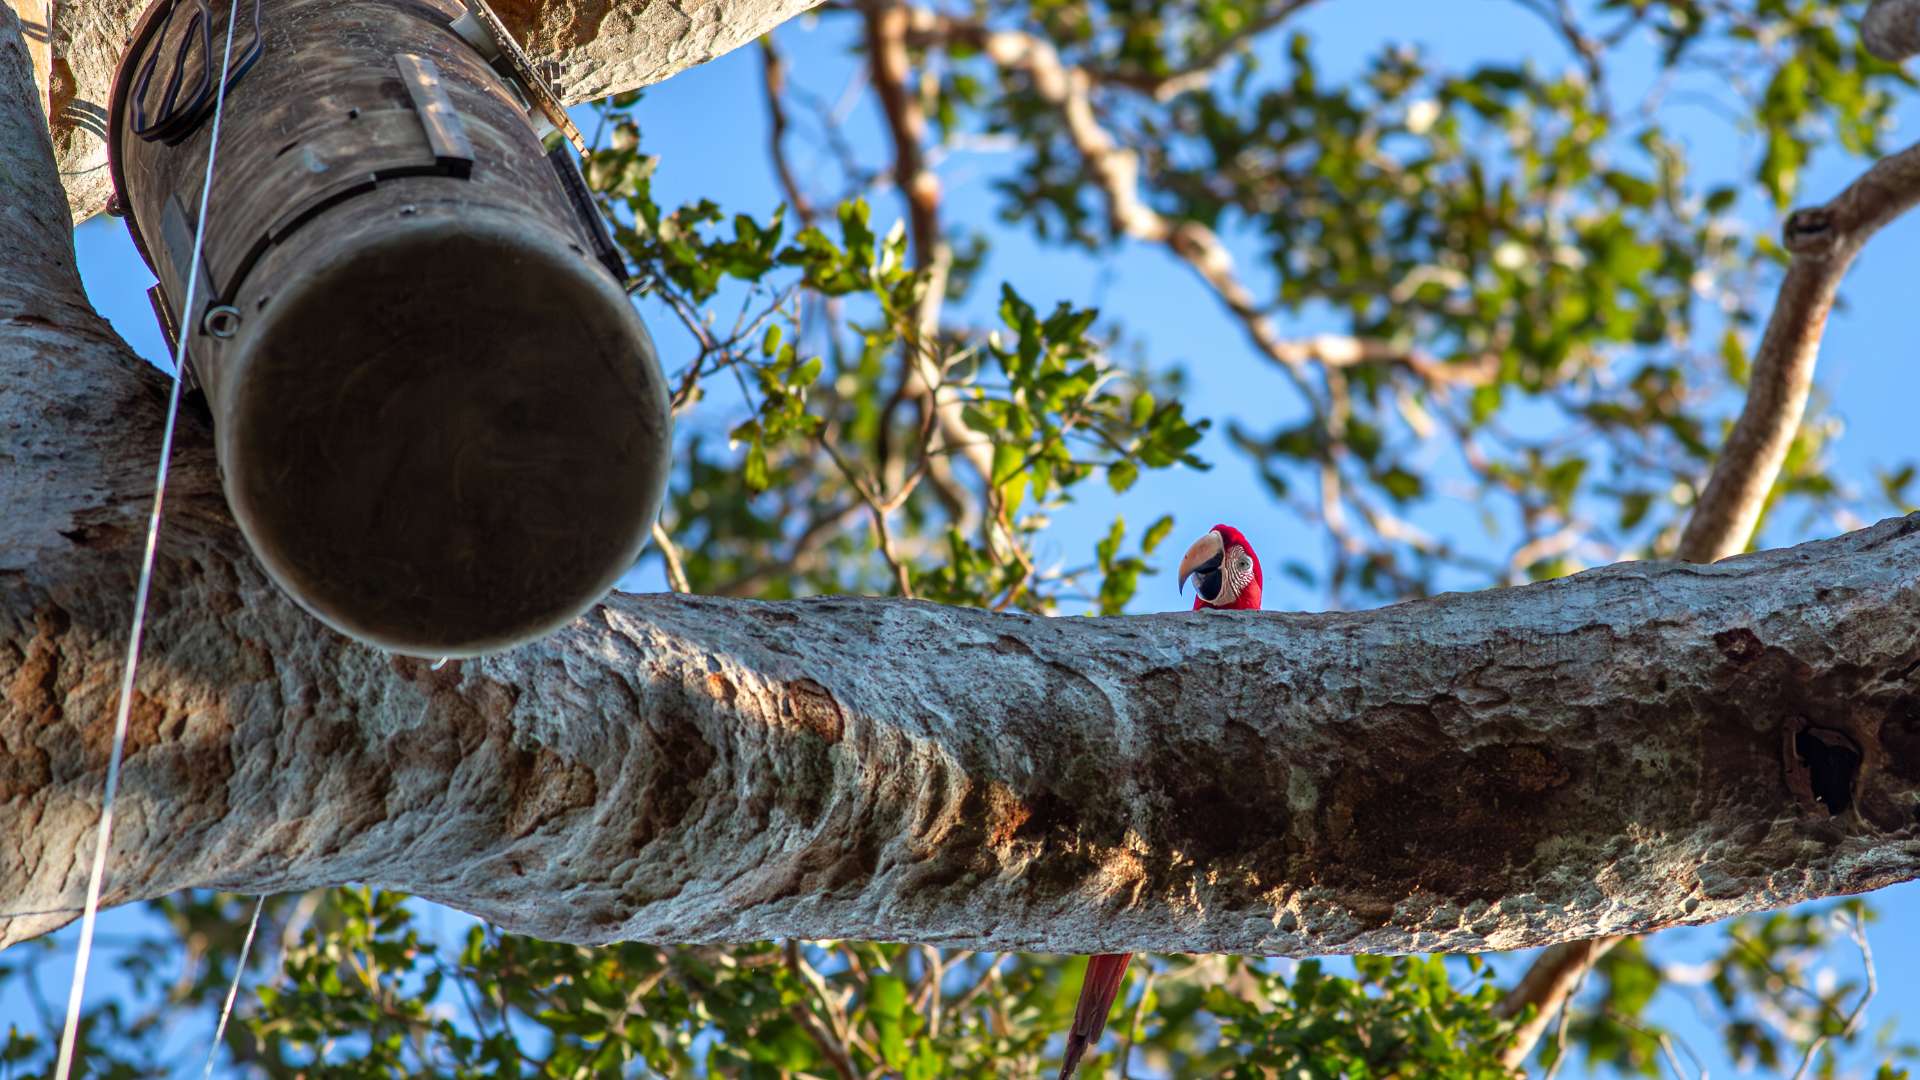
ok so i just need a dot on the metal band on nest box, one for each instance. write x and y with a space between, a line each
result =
440 423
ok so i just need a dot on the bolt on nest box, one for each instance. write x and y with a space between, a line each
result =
439 421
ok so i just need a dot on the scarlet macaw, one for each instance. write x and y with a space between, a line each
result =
1228 578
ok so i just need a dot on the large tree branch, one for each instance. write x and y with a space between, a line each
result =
28 191
1617 751
1823 242
889 69
773 69
1891 29
885 24
589 49
1552 978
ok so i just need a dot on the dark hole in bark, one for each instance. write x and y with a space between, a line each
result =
1832 762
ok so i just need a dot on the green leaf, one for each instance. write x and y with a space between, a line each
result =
1142 409
1563 480
1402 486
1008 459
887 997
1633 508
1156 533
755 471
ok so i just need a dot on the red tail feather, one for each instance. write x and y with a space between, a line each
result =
1102 984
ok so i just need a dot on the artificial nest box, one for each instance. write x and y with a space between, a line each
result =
440 423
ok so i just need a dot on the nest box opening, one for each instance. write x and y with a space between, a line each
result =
1831 763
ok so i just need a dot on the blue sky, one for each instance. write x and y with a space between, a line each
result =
709 127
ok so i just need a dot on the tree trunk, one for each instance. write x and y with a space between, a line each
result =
1630 748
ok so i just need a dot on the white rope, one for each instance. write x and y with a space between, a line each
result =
85 951
233 991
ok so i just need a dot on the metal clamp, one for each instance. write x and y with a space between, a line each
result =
452 150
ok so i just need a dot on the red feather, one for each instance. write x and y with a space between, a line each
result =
1102 985
1249 598
1105 973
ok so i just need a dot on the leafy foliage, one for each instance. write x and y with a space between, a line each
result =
358 983
855 377
1557 304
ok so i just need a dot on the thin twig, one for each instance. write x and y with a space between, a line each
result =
831 1044
1665 1042
1758 954
979 986
1115 170
1139 1012
670 554
1559 15
886 25
1201 66
879 509
1673 1060
1549 546
774 70
930 997
1859 934
824 526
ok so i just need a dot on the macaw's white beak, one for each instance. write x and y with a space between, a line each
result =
1203 557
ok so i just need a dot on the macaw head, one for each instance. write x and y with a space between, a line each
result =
1225 570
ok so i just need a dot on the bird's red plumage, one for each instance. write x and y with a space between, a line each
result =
1097 991
1249 598
1105 973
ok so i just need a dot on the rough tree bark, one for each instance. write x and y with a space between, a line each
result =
591 48
1823 242
1630 748
1891 29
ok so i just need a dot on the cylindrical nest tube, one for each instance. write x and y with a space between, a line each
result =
440 423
